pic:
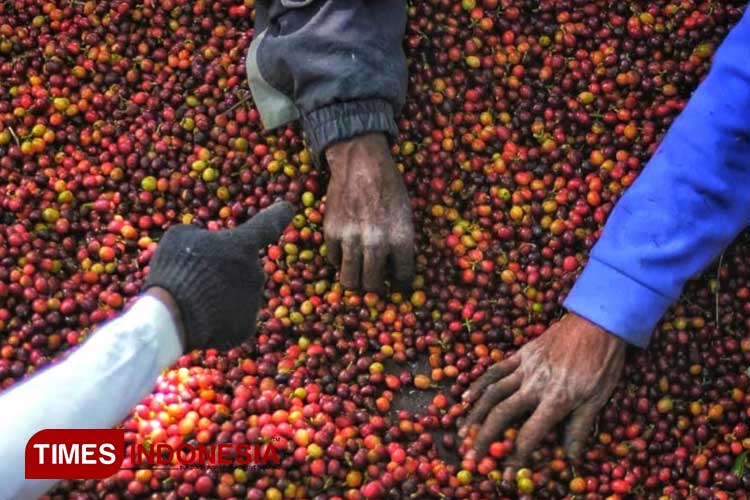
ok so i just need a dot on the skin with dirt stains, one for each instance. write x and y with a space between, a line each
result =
571 369
368 223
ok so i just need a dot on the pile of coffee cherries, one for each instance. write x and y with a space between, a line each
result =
525 122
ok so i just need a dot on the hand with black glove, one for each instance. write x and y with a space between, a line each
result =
215 277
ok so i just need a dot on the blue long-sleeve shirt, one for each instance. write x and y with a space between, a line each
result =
690 202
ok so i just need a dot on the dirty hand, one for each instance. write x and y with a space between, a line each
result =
215 277
368 215
573 367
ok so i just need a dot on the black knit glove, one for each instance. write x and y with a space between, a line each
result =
215 277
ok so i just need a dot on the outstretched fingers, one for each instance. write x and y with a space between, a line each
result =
492 375
499 418
490 397
580 425
547 415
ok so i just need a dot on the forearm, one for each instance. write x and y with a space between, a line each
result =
690 202
95 387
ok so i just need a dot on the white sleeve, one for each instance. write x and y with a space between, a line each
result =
95 387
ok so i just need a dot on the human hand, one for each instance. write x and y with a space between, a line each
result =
368 214
572 368
215 277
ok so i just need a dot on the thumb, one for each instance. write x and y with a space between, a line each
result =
579 427
266 227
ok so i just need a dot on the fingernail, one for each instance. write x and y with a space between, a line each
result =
462 432
465 395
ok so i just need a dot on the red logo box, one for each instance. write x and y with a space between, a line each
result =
74 453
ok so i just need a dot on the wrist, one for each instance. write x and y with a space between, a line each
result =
367 152
169 303
593 333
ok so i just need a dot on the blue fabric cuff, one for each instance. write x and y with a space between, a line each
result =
617 303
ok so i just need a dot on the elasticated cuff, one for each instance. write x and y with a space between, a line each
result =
617 303
345 120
